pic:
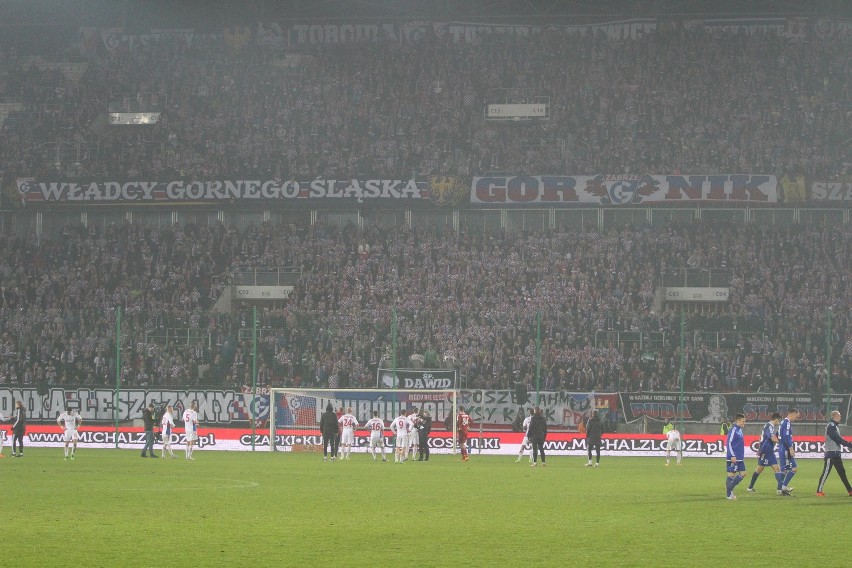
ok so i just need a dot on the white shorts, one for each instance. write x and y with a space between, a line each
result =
191 436
675 444
71 435
402 441
413 438
376 440
347 437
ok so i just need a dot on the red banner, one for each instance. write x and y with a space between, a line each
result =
492 443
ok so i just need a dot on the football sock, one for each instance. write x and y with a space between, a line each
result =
754 477
788 477
780 478
729 485
737 480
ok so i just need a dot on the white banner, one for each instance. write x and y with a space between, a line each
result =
123 118
509 111
429 379
697 294
262 292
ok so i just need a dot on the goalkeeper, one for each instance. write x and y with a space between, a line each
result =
329 429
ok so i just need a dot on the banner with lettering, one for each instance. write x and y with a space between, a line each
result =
616 190
562 409
714 408
490 408
436 191
119 40
832 192
440 442
280 35
429 379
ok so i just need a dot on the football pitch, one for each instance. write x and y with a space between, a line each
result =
112 508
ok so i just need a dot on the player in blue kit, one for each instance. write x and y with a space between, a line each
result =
787 452
766 452
735 456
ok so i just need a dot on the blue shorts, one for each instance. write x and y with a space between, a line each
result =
785 462
767 460
735 467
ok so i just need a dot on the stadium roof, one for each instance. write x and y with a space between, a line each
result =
202 13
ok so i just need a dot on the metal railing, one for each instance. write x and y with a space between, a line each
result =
696 277
646 339
179 336
265 277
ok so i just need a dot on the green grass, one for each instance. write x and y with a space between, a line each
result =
111 508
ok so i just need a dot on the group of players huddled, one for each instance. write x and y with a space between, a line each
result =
411 430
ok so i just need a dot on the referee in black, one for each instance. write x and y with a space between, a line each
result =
537 434
423 436
19 428
148 420
834 444
329 429
594 431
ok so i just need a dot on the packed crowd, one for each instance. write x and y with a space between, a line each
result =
674 101
470 301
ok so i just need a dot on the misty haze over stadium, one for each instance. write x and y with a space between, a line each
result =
534 197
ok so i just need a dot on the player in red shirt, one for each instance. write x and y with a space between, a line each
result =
462 426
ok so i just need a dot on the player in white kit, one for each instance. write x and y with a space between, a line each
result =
167 425
525 445
674 442
190 425
413 434
348 423
400 426
70 420
376 427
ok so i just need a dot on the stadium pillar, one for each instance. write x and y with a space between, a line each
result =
829 315
682 370
537 358
393 357
253 375
117 369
